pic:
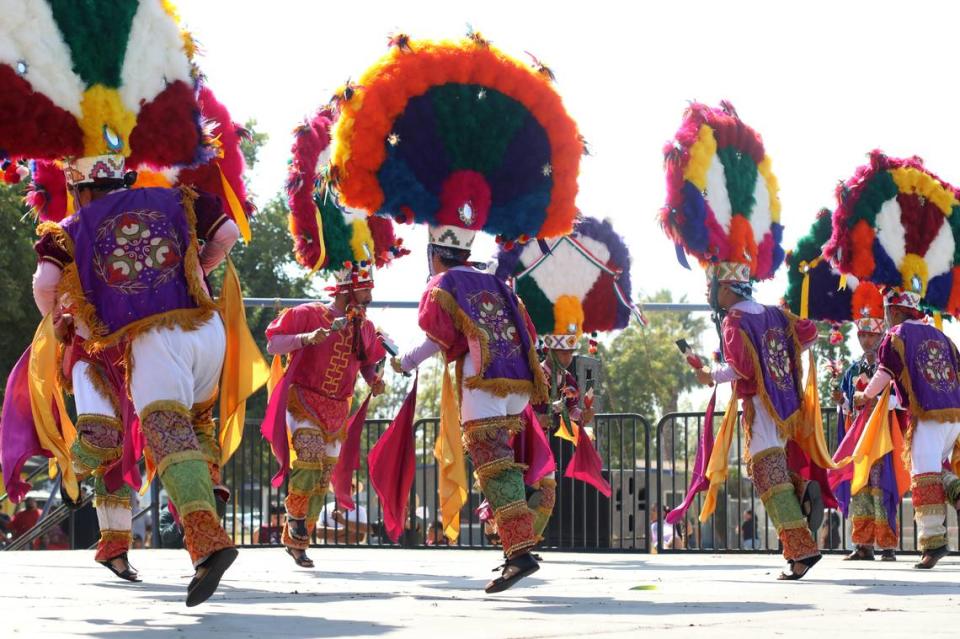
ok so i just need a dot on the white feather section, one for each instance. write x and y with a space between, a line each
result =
760 218
531 252
29 34
155 56
567 272
939 257
890 231
717 193
324 157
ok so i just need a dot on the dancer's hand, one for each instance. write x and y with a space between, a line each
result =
396 365
316 336
63 328
704 377
860 399
587 416
378 387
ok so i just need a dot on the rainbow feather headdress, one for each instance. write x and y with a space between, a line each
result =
98 79
722 204
458 135
221 174
817 290
897 225
580 283
326 235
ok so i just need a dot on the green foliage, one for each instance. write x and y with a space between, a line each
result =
826 353
250 147
18 313
650 373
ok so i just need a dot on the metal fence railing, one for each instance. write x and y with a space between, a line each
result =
678 435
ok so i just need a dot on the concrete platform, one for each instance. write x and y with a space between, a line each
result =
437 593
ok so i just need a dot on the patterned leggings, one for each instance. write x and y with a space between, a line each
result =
778 492
501 480
870 524
307 489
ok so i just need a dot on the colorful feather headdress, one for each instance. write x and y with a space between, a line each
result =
94 78
576 283
458 134
221 174
325 234
896 225
817 290
722 205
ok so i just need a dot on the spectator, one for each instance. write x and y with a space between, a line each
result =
270 533
437 536
830 532
748 532
25 519
343 527
656 517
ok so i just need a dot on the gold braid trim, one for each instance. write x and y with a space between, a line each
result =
941 415
791 525
931 543
768 452
501 387
496 467
925 510
171 405
512 510
93 418
178 458
776 490
305 465
100 384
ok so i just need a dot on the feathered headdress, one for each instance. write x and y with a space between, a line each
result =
96 78
896 225
221 174
722 204
580 283
326 235
461 135
816 289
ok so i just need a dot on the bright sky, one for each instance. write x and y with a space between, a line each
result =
823 83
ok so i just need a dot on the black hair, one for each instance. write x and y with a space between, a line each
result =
449 257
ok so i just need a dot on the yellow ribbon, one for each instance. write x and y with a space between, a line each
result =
805 268
323 245
938 320
717 465
448 450
244 369
46 396
239 215
568 431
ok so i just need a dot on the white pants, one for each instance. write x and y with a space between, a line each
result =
171 364
763 431
932 443
331 449
88 399
480 404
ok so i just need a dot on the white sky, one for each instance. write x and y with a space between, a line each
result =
823 83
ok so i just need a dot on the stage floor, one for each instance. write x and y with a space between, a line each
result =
438 593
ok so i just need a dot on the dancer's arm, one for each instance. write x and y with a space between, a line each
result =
417 355
45 281
218 232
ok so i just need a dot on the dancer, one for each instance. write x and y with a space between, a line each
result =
327 344
920 361
464 138
728 216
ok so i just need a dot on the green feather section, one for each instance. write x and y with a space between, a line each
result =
878 189
538 306
476 130
808 249
336 233
96 32
741 176
954 220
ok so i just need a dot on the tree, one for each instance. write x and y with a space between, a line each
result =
18 313
834 356
650 373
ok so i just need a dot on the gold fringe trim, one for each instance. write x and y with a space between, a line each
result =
96 418
941 415
194 507
103 454
928 510
488 429
111 501
768 452
178 458
115 535
498 386
60 236
167 405
100 384
191 261
305 465
927 479
931 543
785 427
